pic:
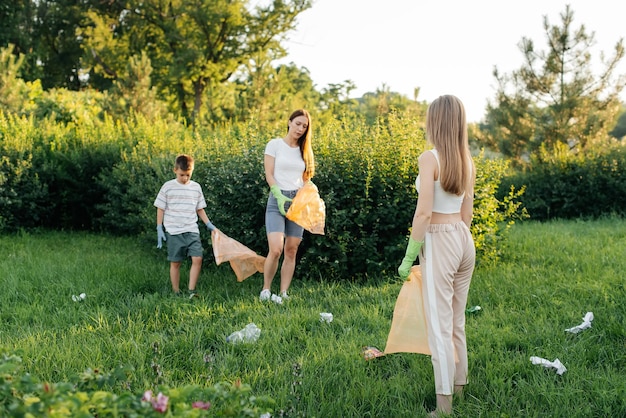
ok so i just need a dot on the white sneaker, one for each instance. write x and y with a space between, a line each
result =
265 295
284 294
277 299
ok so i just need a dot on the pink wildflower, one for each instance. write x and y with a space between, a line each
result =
160 403
201 405
147 396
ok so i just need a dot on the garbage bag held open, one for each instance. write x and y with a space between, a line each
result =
243 260
409 331
308 209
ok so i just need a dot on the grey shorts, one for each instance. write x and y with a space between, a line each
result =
181 246
276 222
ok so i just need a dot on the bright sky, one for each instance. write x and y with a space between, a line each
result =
440 46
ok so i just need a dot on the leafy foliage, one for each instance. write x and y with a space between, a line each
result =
90 395
561 185
555 96
192 45
105 177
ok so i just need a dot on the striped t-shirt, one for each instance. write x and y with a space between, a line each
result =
180 202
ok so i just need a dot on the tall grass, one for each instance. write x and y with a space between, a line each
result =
550 275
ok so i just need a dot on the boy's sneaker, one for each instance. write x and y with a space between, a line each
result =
284 295
277 299
193 294
265 295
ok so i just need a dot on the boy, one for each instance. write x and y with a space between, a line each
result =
179 204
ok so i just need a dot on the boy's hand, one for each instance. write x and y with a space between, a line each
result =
160 236
280 198
210 226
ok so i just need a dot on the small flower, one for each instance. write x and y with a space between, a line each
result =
160 403
147 396
201 405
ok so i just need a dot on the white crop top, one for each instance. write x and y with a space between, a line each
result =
443 202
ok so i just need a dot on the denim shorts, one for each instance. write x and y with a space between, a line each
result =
181 246
276 222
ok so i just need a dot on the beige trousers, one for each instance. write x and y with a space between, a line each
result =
447 261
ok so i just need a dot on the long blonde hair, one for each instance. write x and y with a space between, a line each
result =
304 142
446 129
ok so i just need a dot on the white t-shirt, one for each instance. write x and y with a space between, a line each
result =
288 164
181 203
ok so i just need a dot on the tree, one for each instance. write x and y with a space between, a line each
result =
619 131
268 93
16 95
134 92
555 97
383 101
192 44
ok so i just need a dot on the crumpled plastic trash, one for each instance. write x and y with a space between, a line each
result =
326 317
584 325
79 298
308 210
249 334
473 309
243 260
370 353
556 364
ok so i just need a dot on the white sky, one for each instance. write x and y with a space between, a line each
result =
440 46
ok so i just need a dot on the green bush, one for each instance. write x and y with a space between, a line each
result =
559 184
105 177
23 192
90 395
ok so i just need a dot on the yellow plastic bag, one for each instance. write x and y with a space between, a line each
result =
409 332
308 209
243 260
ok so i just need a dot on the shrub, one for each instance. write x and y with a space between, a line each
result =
91 395
23 192
559 184
106 176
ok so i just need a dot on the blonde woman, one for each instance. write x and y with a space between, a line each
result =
289 163
441 237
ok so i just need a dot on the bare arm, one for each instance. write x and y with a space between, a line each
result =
160 213
203 216
467 208
269 170
424 208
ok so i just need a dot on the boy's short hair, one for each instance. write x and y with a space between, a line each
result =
184 162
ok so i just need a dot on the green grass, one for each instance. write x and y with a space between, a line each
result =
550 275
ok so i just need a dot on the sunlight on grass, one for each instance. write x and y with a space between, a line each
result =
550 276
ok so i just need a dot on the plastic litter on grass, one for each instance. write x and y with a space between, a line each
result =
79 298
584 325
556 364
249 334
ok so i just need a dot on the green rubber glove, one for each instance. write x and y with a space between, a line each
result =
280 198
210 226
412 251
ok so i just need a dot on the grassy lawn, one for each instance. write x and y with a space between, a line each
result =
550 276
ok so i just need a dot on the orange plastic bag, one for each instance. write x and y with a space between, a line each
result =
409 332
243 260
308 209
